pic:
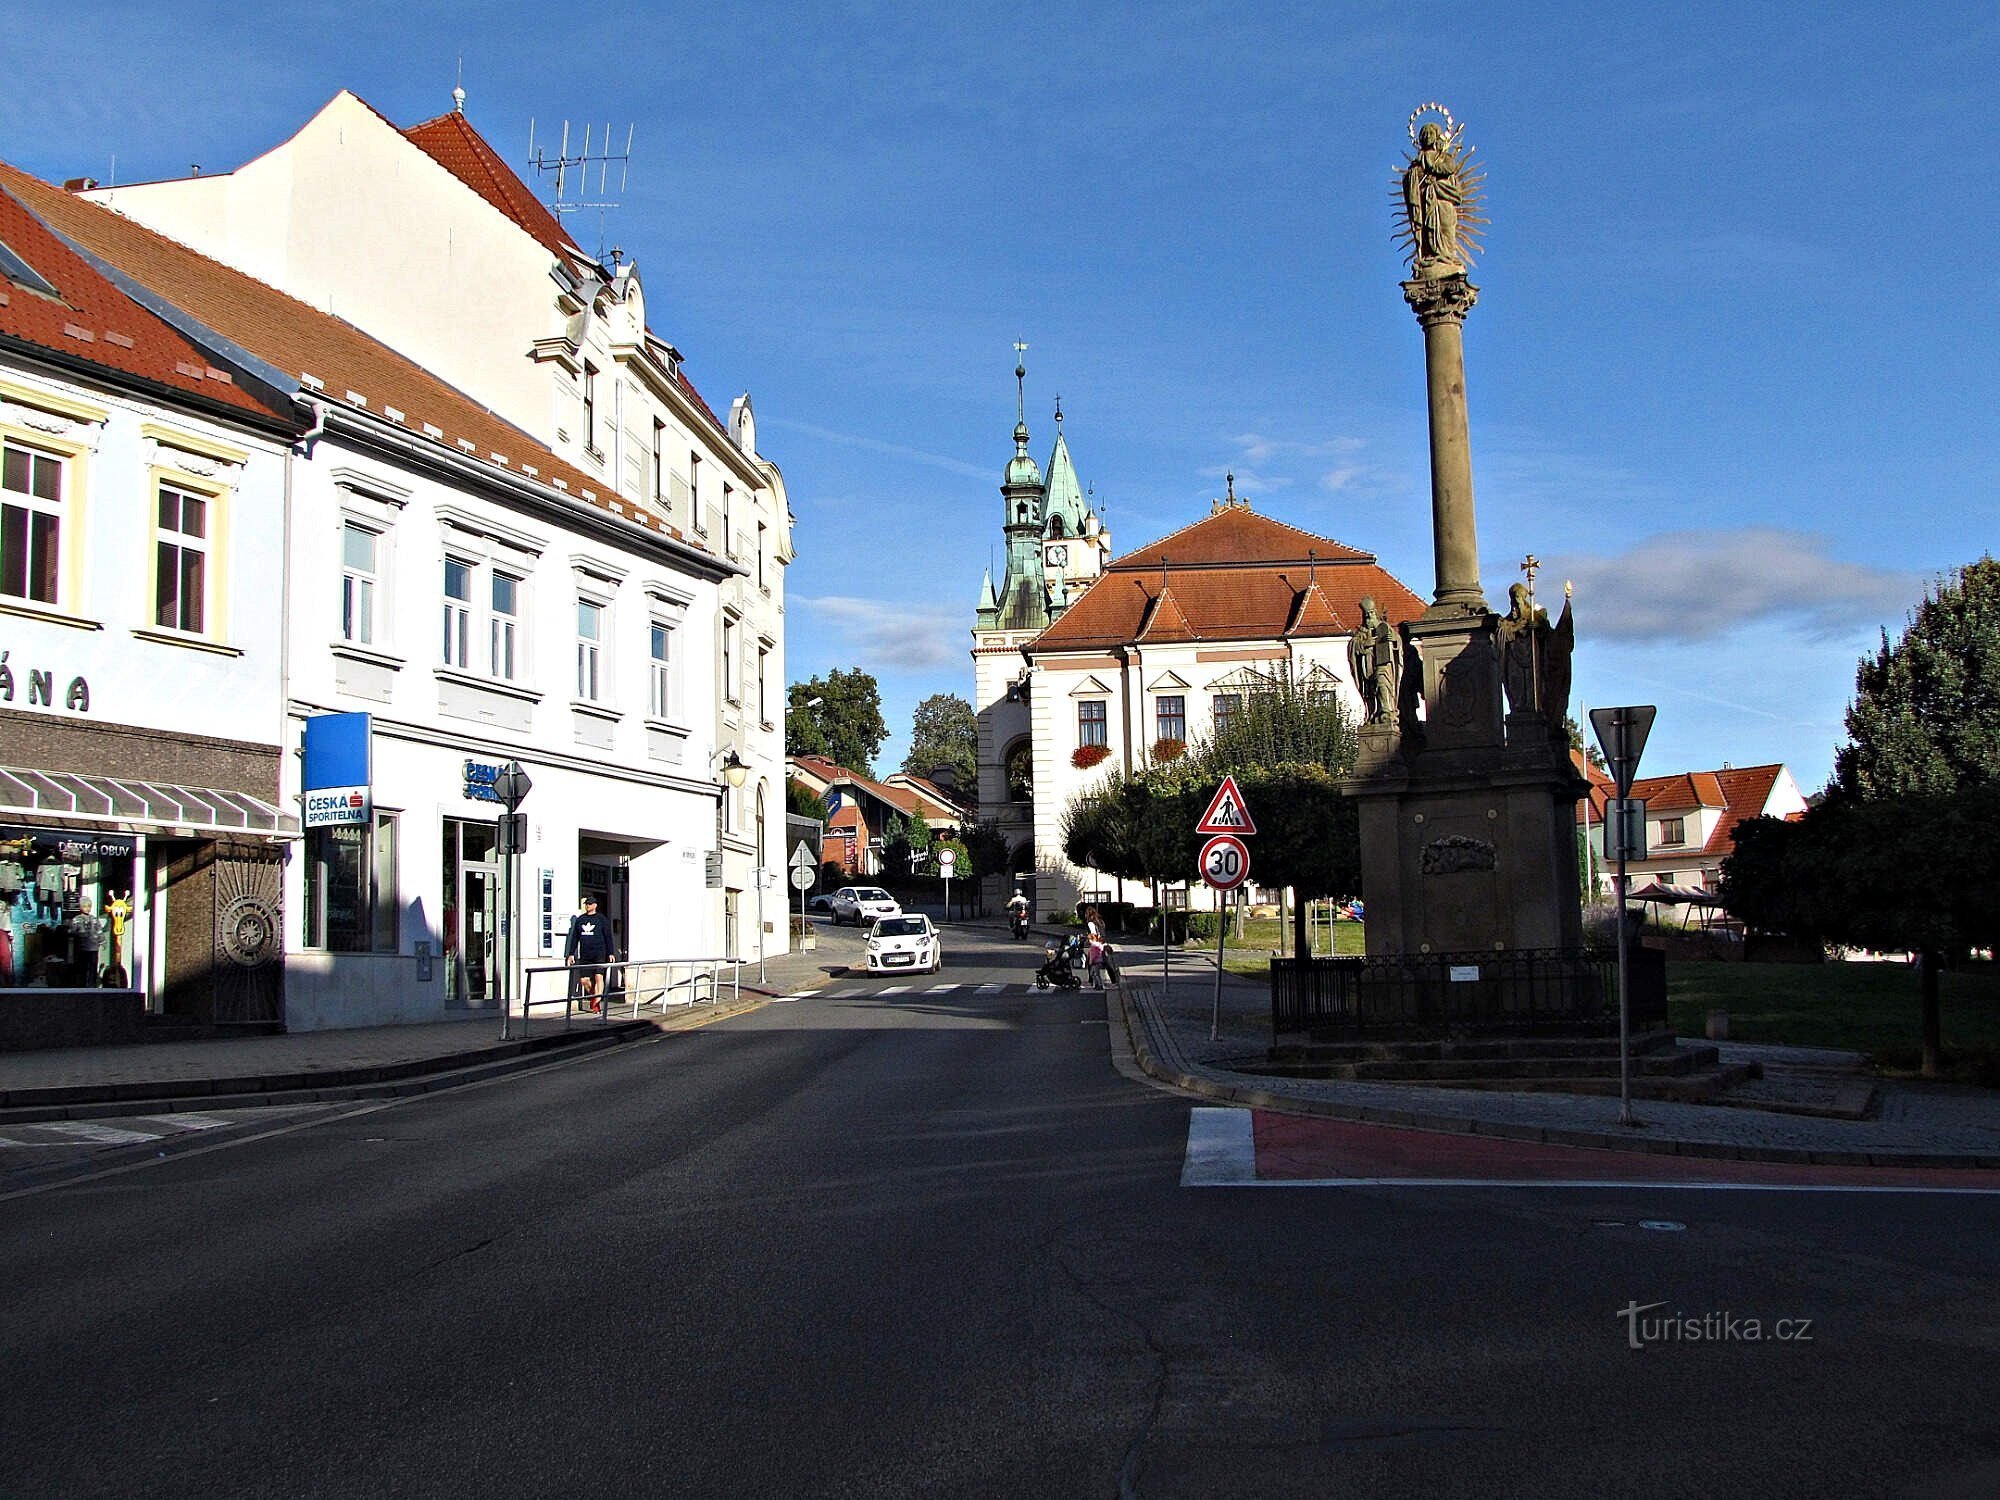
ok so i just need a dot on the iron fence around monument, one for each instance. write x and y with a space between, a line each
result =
1422 995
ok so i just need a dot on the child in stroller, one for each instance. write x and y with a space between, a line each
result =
1058 971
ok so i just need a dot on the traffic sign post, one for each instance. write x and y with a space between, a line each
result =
947 860
1225 865
511 786
805 875
1622 732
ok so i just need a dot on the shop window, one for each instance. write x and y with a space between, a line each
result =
589 650
1093 726
180 572
1170 714
31 517
360 551
350 887
65 909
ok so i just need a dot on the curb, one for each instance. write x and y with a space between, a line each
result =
1139 1033
335 1085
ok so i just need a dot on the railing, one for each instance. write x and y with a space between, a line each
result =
633 984
1440 994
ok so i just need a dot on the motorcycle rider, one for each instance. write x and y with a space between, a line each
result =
1017 915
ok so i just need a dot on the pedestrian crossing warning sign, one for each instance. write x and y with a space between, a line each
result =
1227 812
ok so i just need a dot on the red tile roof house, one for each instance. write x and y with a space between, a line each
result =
1691 818
1174 634
859 808
142 503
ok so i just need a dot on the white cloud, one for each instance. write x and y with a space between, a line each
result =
876 445
1696 585
877 633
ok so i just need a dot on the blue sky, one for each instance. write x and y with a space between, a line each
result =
1730 368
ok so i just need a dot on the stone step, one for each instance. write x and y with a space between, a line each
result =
1470 1049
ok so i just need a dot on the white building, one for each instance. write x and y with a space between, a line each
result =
142 500
1691 819
427 240
482 600
1167 640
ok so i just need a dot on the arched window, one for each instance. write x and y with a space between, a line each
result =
1021 771
1056 526
1021 513
760 820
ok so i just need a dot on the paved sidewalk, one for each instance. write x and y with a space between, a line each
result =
1916 1124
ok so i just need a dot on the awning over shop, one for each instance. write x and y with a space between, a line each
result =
122 800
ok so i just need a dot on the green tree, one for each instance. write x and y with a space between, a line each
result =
1590 751
846 727
1900 853
920 833
944 736
896 847
1926 713
804 801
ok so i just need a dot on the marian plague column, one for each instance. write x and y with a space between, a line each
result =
1468 798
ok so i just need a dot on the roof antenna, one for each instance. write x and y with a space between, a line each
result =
458 88
571 170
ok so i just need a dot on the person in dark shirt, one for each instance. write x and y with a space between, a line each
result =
587 950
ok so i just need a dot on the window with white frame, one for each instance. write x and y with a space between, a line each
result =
350 887
505 625
31 521
180 560
590 682
659 695
1673 830
729 684
763 536
458 577
763 693
694 494
728 505
1224 707
360 565
1170 716
659 463
590 408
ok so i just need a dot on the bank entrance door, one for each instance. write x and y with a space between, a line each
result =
472 904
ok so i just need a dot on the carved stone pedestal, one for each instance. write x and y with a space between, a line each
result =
1468 827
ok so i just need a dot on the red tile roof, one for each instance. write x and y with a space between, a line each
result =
300 339
1232 576
1237 535
453 144
1740 792
96 322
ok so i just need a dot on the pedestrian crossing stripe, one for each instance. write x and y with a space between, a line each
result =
103 1135
941 989
991 989
895 989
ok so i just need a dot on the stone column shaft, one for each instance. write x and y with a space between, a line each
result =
1441 304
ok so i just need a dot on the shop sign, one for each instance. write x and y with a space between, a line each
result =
338 770
70 845
481 781
41 688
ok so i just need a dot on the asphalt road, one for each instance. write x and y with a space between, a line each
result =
936 1244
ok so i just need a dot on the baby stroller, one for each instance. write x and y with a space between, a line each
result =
1058 971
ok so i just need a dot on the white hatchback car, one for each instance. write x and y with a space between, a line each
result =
861 904
904 942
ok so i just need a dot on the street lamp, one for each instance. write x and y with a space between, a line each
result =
735 769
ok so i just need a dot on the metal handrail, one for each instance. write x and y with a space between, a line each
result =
642 981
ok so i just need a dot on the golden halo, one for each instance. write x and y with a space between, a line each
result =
1431 107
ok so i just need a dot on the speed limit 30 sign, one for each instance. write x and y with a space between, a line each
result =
1225 862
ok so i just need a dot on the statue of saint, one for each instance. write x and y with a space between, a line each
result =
1432 197
1535 657
1375 658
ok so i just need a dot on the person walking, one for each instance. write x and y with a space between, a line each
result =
587 949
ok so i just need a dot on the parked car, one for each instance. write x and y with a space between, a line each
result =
821 902
904 942
860 904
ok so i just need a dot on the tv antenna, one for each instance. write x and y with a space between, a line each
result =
571 170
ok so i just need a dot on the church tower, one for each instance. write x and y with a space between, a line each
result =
1056 545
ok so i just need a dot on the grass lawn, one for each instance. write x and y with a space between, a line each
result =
1252 953
1874 1008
